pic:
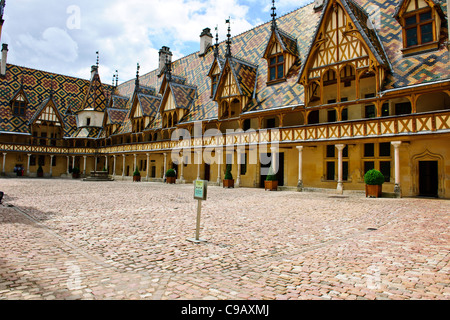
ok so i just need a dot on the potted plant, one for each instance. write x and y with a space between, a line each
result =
228 181
374 180
136 175
171 176
76 173
271 182
40 172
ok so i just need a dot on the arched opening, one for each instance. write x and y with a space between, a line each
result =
347 83
235 108
224 110
433 102
329 82
367 84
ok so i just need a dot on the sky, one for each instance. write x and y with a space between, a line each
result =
63 36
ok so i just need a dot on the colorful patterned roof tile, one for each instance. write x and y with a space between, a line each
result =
149 104
95 98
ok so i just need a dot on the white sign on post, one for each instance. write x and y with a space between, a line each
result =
200 194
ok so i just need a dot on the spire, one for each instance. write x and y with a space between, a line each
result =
98 59
216 46
228 52
274 16
137 76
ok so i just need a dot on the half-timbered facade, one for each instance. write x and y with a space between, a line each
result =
327 92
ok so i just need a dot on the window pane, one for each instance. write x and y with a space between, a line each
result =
345 114
385 169
403 108
370 111
280 71
427 33
272 73
345 152
330 171
331 151
16 110
281 58
385 110
425 16
369 150
369 165
331 115
273 61
410 21
385 149
345 170
411 37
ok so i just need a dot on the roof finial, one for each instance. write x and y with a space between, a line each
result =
2 8
114 80
274 16
137 75
228 53
216 46
98 59
117 78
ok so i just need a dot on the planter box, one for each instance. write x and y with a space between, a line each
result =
40 174
75 176
228 183
271 185
136 178
171 180
373 191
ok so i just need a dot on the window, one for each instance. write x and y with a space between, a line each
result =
331 151
332 115
41 161
368 165
313 117
385 110
418 28
32 161
88 122
270 123
331 169
402 108
53 161
247 125
385 169
19 108
243 164
369 150
332 165
345 114
215 82
385 149
371 111
276 67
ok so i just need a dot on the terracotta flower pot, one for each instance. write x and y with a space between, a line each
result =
271 185
228 183
136 178
171 180
374 191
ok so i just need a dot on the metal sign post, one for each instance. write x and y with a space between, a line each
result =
200 194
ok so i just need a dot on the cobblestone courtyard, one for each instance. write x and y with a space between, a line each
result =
66 239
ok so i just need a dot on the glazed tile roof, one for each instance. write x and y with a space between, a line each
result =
116 116
68 93
249 65
149 104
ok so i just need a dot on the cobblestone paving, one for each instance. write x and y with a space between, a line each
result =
66 239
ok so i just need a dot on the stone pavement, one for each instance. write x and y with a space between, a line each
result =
66 239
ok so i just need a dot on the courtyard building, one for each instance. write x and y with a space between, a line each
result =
323 94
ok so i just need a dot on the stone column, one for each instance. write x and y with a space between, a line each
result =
300 169
84 166
239 162
219 165
28 164
73 162
199 163
106 163
148 166
135 162
165 166
274 151
123 165
4 163
95 163
68 165
340 187
114 165
397 188
51 165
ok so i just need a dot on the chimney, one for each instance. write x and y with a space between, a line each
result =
4 58
94 71
164 56
318 5
206 40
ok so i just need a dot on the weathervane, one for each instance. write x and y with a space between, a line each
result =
274 15
216 46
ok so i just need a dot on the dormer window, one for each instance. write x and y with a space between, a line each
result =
422 23
276 67
19 106
419 28
214 83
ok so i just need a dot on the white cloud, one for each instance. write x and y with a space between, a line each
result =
125 32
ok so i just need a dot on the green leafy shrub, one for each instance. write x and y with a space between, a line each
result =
171 173
136 173
76 170
40 170
374 178
271 176
228 175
